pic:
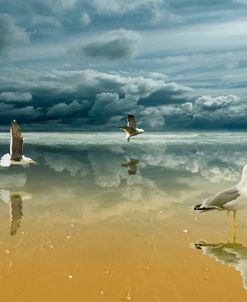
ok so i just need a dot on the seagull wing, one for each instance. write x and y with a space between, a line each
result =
129 130
5 160
218 200
131 121
16 142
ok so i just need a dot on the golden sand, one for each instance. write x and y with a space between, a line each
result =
139 257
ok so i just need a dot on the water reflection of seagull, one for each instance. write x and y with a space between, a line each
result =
132 165
232 254
231 199
131 129
15 155
14 199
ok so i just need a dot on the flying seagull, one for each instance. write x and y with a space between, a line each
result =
131 129
15 155
14 199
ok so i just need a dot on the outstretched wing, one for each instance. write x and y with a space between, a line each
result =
129 130
132 121
218 200
16 142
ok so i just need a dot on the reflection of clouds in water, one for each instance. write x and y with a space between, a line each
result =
107 169
212 165
232 254
139 196
217 174
64 162
92 179
12 180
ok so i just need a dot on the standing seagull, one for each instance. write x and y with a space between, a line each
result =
231 199
15 155
131 129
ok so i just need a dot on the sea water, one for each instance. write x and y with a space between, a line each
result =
100 219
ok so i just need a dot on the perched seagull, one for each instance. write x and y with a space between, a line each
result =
131 129
231 199
231 254
14 199
15 155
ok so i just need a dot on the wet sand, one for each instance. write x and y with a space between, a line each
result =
125 260
93 231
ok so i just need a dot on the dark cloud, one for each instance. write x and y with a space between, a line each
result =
94 100
85 98
25 114
10 35
63 109
170 93
118 44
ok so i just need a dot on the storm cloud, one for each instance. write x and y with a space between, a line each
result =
83 64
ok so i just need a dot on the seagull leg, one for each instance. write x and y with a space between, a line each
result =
234 228
232 222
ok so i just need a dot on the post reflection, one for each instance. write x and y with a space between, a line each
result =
14 200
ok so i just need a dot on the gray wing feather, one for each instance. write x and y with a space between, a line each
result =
132 121
16 142
220 199
129 130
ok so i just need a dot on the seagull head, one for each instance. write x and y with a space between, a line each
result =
31 161
28 160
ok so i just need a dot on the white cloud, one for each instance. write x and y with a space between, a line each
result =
16 96
213 103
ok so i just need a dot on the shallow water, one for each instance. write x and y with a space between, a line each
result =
98 219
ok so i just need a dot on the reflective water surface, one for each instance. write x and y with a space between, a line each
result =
98 219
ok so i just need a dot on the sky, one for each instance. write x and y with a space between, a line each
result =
86 64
